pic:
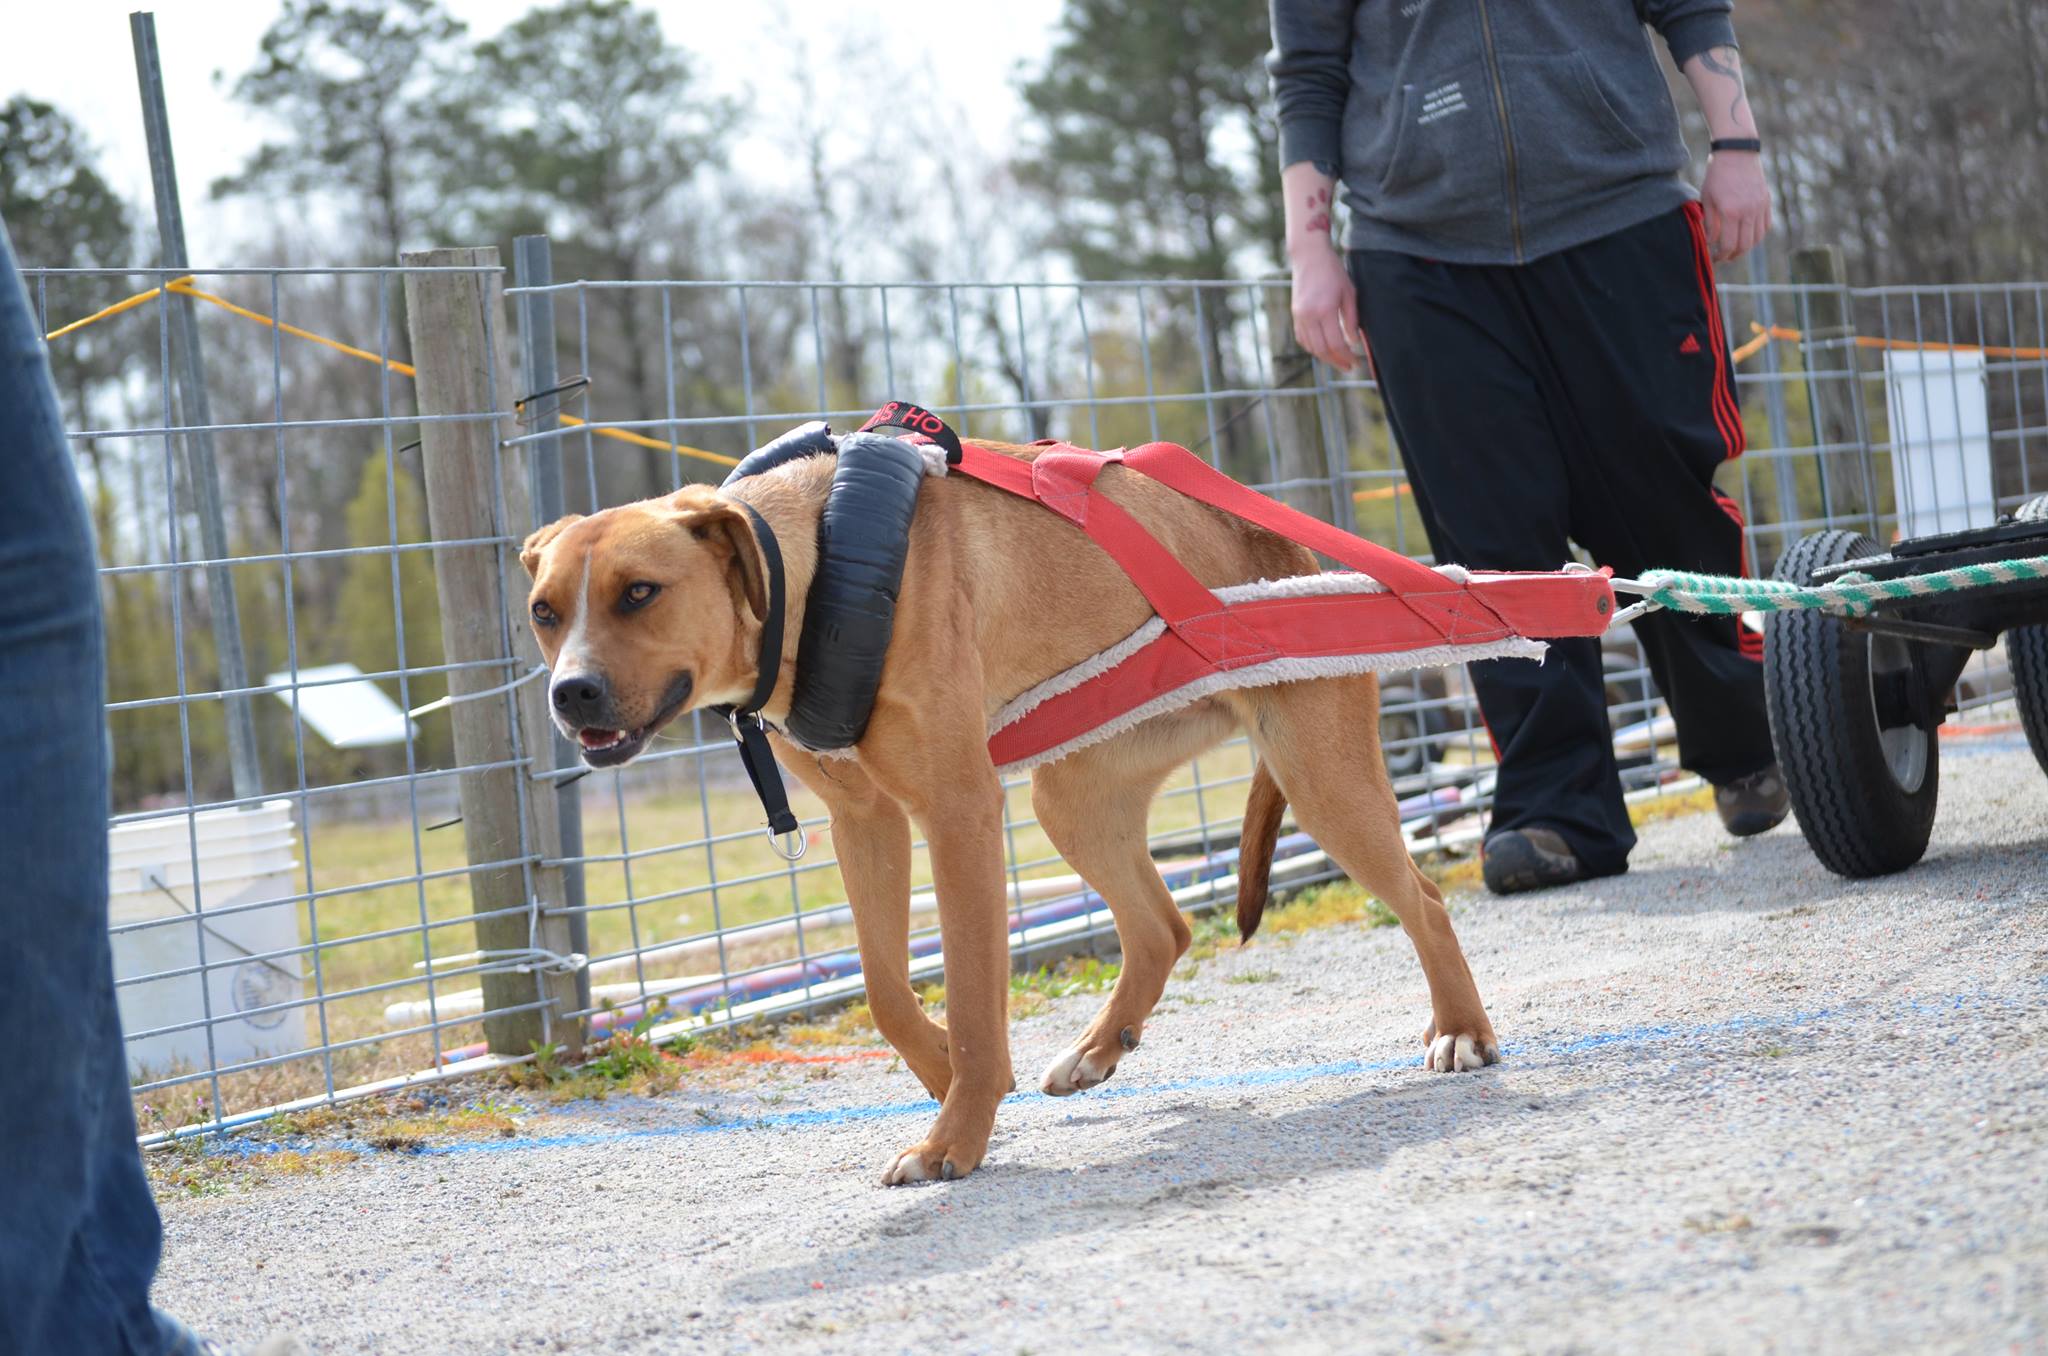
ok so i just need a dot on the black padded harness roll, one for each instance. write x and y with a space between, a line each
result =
805 440
850 611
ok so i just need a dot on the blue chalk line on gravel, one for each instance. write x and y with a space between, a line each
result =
1542 1052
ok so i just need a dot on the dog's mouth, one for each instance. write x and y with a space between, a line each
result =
610 748
602 747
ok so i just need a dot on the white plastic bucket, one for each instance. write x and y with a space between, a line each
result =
173 876
1941 442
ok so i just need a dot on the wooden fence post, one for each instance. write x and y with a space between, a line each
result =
1297 419
1836 401
476 489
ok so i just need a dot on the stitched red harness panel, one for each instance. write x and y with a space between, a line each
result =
1204 635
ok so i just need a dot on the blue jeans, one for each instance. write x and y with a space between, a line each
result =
79 1235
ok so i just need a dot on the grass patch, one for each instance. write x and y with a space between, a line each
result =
189 1168
1213 932
1661 808
853 1024
1325 906
1076 974
626 1061
1032 991
1253 977
1453 875
1322 906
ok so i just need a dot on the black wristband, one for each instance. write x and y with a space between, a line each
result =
1736 144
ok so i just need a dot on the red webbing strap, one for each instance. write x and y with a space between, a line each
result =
1061 478
1176 467
1446 605
1315 627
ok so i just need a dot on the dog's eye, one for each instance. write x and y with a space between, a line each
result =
544 614
638 595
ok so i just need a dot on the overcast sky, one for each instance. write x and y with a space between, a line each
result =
77 54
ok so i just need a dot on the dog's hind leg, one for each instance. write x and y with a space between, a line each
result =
1321 742
1093 805
871 835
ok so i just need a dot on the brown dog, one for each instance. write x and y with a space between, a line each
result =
652 609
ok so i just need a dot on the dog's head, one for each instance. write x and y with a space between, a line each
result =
644 612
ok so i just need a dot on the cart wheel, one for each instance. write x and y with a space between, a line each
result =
1861 767
2026 654
1411 736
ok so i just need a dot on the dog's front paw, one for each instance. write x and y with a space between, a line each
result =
1087 1063
932 1161
1459 1054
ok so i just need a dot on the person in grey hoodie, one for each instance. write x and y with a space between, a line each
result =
1530 277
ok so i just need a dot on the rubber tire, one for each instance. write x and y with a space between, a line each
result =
2026 656
1857 818
1403 725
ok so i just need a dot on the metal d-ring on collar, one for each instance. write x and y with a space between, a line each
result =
747 725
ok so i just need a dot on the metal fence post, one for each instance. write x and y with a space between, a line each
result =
533 266
477 488
1837 402
244 765
1297 419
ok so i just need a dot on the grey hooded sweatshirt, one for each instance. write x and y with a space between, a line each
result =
1488 131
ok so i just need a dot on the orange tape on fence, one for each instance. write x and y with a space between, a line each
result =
184 287
1765 336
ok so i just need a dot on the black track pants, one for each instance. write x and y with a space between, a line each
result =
1586 396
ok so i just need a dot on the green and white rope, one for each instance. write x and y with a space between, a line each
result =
1850 595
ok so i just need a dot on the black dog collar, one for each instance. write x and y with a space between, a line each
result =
850 609
747 726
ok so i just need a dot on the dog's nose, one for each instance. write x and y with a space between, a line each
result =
580 697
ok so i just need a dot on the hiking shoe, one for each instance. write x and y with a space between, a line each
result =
1753 804
1529 859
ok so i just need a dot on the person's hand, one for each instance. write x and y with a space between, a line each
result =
1326 306
1736 202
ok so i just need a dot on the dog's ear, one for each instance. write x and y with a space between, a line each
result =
727 529
529 554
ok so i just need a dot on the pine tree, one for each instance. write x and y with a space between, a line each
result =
358 84
1157 155
582 120
1156 145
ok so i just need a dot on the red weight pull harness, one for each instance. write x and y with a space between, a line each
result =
1392 613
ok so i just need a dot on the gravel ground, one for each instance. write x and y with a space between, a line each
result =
1745 1106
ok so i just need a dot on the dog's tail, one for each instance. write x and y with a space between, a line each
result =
1263 810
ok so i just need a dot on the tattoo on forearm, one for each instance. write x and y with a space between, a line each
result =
1727 63
1318 199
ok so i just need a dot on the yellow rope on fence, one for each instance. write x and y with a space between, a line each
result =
184 287
1780 332
126 304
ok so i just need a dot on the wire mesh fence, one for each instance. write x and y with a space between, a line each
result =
298 920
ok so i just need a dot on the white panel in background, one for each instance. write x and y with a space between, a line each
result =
347 715
1941 442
